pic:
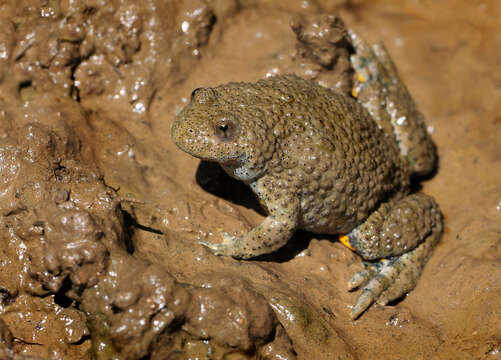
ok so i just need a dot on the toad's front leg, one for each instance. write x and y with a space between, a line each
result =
270 235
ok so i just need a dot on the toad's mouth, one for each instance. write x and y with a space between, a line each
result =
213 150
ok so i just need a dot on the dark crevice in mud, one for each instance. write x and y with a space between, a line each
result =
82 340
212 23
24 85
115 309
59 172
6 297
89 11
75 91
130 225
60 297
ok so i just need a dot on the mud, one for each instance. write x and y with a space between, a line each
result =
100 214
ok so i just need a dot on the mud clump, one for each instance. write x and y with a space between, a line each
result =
322 51
46 207
148 312
51 221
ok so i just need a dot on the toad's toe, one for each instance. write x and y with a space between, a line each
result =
378 278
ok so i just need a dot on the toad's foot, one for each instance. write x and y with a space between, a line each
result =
229 246
405 232
384 281
391 278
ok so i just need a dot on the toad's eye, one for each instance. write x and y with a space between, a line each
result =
225 129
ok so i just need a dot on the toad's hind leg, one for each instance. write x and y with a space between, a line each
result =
378 87
402 233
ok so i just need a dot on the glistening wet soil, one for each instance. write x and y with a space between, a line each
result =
100 213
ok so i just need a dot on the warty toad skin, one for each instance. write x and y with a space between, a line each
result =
325 162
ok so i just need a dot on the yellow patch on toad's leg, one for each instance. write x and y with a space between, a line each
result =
361 77
345 240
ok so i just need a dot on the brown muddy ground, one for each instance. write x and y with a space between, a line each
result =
100 213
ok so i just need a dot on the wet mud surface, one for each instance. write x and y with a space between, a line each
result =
100 213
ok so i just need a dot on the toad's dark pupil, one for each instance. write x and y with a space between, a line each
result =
223 128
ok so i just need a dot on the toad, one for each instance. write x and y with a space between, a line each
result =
326 162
